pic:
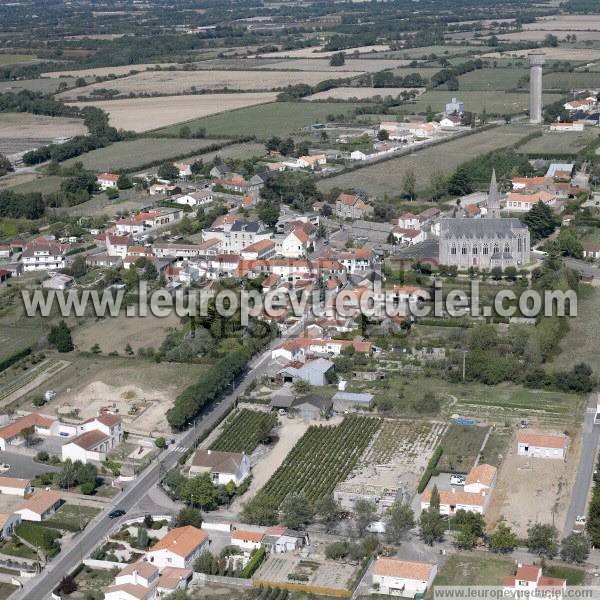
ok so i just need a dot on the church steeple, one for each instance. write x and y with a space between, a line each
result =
493 203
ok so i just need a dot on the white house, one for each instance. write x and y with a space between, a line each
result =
246 540
185 169
536 445
8 523
281 539
222 467
480 479
295 244
15 487
129 591
261 250
196 199
407 220
408 236
529 578
178 548
11 434
40 506
42 256
107 180
396 577
116 245
453 500
109 424
138 573
89 446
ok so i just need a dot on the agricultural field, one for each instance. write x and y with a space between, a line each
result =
105 71
427 51
46 86
145 114
532 35
386 177
24 131
358 93
461 445
32 182
178 82
490 79
568 142
13 59
318 52
278 118
350 67
323 457
568 81
559 53
496 447
132 154
245 431
244 150
492 101
14 338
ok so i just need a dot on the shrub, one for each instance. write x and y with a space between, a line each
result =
255 561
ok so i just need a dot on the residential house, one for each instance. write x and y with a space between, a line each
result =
450 121
178 548
453 500
528 580
172 579
40 506
591 250
516 202
536 445
584 104
107 180
480 479
407 578
408 236
195 199
45 256
396 131
5 251
129 591
8 523
11 434
261 250
168 189
294 244
185 169
138 573
407 220
234 237
312 161
351 206
117 245
87 447
220 171
222 467
246 540
15 487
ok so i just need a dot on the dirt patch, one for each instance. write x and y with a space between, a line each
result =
144 114
533 490
113 334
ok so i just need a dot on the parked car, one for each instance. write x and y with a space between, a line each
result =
456 479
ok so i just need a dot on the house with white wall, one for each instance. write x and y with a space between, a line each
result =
14 486
246 540
39 507
535 445
407 578
222 467
178 548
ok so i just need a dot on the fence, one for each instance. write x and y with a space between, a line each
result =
203 579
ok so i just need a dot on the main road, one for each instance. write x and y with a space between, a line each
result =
102 526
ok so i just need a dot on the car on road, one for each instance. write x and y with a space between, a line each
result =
456 479
116 513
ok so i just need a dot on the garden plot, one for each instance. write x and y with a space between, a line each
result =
245 431
533 490
396 457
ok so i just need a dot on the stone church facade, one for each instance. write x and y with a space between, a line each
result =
487 242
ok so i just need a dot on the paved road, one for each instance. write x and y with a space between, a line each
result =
101 527
23 465
585 470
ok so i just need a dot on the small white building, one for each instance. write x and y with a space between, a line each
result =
15 487
107 180
246 540
138 573
223 467
406 578
195 199
40 506
178 548
536 445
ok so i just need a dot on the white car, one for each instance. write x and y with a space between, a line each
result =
457 479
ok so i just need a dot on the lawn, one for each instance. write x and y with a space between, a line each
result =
42 537
386 177
16 548
490 79
244 431
569 142
461 444
492 101
573 575
6 589
70 516
462 569
137 153
264 121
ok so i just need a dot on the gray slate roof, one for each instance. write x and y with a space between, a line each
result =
480 228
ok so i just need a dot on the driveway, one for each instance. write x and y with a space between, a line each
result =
23 466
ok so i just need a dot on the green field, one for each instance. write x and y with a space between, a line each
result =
46 85
266 120
490 79
426 51
72 517
15 338
386 177
12 59
245 431
137 153
569 142
493 102
461 444
568 81
461 569
45 185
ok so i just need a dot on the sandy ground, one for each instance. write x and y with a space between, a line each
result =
315 52
345 93
113 334
176 82
551 54
104 71
533 490
144 114
289 432
28 126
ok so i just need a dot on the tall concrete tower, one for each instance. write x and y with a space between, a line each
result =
536 60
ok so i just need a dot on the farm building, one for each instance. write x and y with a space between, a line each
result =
312 407
314 372
406 578
40 506
350 401
15 486
222 467
178 548
536 445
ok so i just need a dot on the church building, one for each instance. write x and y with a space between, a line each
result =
485 243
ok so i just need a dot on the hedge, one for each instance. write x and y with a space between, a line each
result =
13 358
430 470
253 563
